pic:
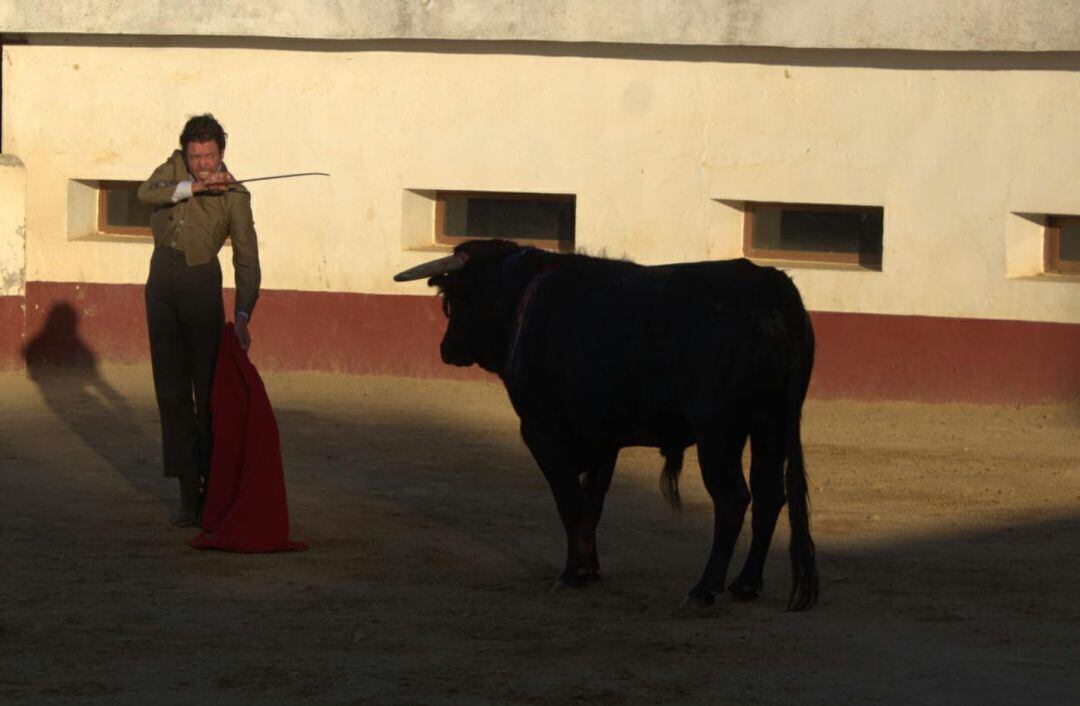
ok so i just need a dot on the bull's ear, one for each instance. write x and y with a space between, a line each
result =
434 268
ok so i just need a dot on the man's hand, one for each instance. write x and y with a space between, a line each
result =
241 329
218 181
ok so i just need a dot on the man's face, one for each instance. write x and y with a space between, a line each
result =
203 159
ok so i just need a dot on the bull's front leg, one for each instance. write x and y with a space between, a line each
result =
560 467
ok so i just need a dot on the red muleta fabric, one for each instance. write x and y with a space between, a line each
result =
245 508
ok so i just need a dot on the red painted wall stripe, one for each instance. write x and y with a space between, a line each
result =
325 331
859 356
936 359
353 333
64 320
12 330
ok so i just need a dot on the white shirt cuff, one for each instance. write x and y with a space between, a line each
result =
183 191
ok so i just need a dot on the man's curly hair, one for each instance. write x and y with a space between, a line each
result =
203 128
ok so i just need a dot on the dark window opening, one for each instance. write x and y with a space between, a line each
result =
1062 244
542 220
120 211
815 233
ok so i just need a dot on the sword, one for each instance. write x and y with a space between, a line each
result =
278 176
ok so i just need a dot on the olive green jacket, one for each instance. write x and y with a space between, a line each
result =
203 222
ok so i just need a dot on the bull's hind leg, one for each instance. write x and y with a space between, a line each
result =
560 467
767 489
720 456
594 486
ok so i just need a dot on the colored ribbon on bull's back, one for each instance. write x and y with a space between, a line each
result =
246 509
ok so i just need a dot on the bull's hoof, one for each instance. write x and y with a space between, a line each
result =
804 594
743 593
695 602
568 580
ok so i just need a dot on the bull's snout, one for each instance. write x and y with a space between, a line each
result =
452 355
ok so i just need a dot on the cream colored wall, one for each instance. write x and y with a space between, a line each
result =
12 227
659 153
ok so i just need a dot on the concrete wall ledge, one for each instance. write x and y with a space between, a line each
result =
920 25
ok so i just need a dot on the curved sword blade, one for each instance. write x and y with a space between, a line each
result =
279 176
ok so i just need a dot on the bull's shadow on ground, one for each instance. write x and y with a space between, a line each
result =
955 613
422 473
476 497
66 372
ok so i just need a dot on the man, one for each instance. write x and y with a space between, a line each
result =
196 207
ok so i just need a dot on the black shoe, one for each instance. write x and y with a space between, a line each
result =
185 518
190 512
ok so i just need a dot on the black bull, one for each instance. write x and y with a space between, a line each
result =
601 354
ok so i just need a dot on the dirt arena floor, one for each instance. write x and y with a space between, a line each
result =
948 538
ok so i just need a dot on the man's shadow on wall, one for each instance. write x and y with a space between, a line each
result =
66 372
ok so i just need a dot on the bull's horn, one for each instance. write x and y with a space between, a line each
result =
429 269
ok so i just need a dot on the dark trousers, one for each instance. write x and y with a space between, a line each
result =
185 316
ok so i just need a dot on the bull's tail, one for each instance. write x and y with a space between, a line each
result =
669 477
804 587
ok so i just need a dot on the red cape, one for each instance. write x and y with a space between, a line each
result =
245 508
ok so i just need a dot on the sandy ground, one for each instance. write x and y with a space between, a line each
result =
948 537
